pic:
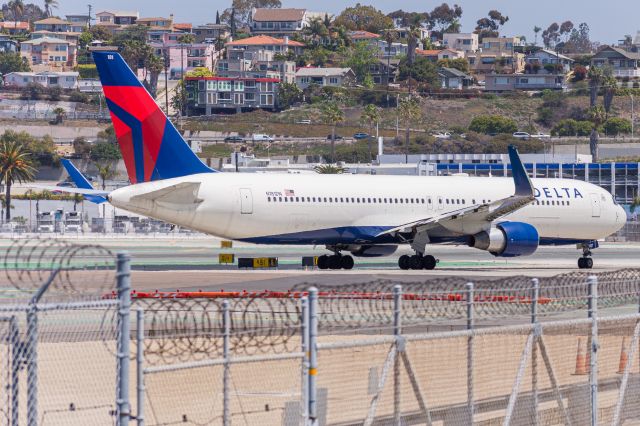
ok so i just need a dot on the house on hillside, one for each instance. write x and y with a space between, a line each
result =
206 95
265 42
211 33
157 23
54 25
53 53
78 22
64 80
117 17
361 35
464 42
336 77
526 82
548 61
14 27
624 64
384 71
451 78
435 55
256 64
7 44
280 22
497 54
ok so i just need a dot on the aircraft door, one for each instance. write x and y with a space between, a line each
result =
246 201
595 205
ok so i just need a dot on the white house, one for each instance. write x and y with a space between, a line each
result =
324 77
466 42
64 80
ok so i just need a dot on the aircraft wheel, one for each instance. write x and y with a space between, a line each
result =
416 262
429 262
334 262
323 262
346 262
585 263
403 262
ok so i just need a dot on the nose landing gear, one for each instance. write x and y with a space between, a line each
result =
417 262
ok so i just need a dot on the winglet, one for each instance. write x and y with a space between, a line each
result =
523 184
82 182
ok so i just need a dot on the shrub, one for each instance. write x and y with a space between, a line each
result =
79 97
615 126
31 92
493 124
54 93
88 71
571 127
579 73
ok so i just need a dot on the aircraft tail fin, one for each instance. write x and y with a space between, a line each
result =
82 183
151 146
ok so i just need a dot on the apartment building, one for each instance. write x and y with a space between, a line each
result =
117 17
206 95
187 56
50 52
464 42
265 42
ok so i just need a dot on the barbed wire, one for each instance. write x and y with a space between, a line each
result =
75 269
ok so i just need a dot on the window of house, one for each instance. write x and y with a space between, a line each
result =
224 86
201 85
211 98
238 86
266 99
211 85
501 80
250 83
489 60
223 97
249 96
201 97
333 80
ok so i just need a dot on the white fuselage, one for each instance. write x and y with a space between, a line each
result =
334 209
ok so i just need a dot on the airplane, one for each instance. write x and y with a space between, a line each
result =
362 215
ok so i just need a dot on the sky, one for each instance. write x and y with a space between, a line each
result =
609 20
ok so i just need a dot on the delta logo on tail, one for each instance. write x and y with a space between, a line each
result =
151 146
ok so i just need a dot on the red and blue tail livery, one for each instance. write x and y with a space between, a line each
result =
151 146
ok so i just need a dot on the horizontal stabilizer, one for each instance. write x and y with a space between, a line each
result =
183 193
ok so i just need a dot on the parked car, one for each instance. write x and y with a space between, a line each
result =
258 137
522 135
234 139
541 135
361 135
337 138
303 122
442 135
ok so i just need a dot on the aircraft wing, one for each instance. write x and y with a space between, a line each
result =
477 216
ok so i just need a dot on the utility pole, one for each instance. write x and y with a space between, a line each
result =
89 6
166 79
632 118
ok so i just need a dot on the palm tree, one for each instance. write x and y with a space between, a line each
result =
332 115
371 114
329 169
536 30
49 5
316 30
597 115
609 84
17 9
105 171
595 79
15 166
59 113
154 65
409 109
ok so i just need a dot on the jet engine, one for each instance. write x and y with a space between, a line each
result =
507 239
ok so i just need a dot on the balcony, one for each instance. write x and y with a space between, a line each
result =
626 72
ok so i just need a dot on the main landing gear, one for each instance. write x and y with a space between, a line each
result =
585 262
417 261
336 261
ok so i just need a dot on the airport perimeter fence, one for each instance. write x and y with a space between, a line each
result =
59 338
359 354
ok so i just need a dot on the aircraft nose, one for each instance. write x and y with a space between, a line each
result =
621 215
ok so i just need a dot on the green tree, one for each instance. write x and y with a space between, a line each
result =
615 126
17 9
596 75
13 62
288 94
371 115
536 30
359 58
443 18
409 110
332 114
241 11
570 127
490 26
361 17
15 166
179 98
316 30
82 147
460 64
493 124
105 152
154 65
422 70
200 72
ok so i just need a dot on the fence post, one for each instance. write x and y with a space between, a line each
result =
592 283
140 365
397 331
123 277
16 349
304 338
535 295
31 353
226 325
470 326
313 354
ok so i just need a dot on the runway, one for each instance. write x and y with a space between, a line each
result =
167 263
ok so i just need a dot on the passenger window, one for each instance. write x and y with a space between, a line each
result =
567 202
374 201
473 201
347 199
385 200
268 198
280 199
325 199
447 201
463 201
395 201
314 199
380 200
353 200
308 199
297 199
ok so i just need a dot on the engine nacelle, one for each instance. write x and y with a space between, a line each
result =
372 251
507 239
